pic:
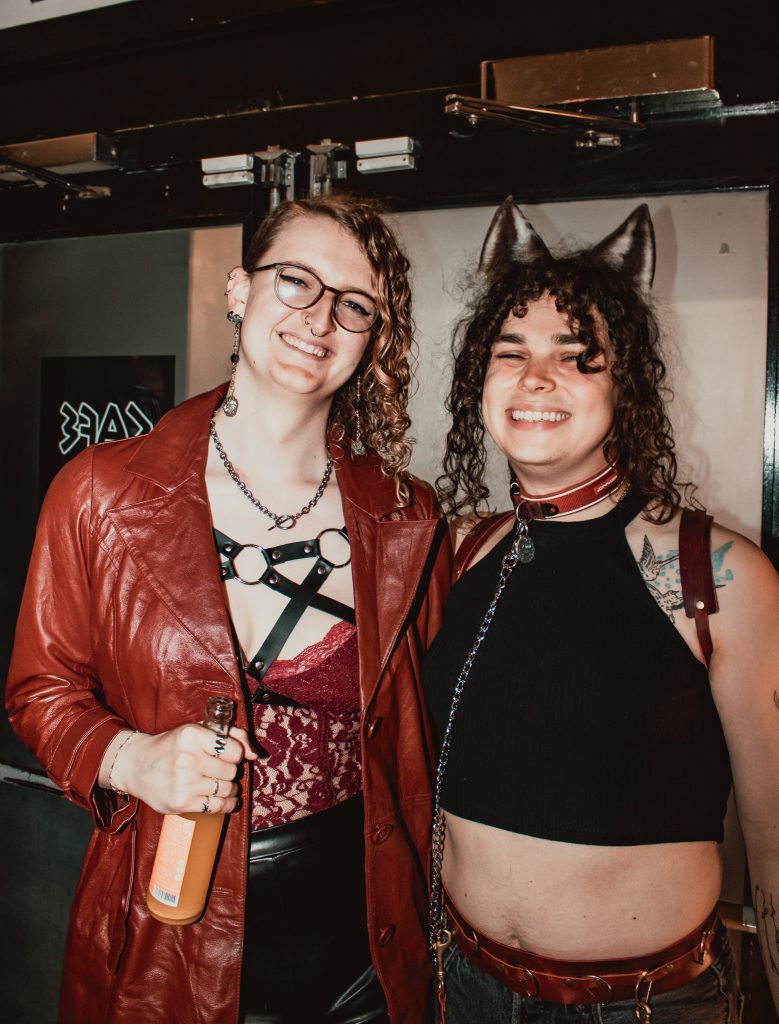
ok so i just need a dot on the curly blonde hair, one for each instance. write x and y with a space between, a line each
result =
384 374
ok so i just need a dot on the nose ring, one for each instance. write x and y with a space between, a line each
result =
307 322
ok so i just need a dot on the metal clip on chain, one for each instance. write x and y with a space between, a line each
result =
642 1009
440 938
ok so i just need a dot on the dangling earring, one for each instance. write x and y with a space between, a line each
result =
358 448
230 404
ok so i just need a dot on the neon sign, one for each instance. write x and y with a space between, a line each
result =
88 426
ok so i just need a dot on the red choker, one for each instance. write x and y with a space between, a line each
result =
572 499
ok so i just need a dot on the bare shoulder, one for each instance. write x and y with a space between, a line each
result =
734 558
747 583
742 575
752 563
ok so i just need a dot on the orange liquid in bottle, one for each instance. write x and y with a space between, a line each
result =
183 867
186 851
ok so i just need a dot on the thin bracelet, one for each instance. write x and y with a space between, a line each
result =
119 749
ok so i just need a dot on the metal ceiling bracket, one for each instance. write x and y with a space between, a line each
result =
277 173
325 166
42 177
593 140
670 74
65 155
591 129
547 92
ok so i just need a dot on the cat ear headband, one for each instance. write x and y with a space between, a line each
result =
511 238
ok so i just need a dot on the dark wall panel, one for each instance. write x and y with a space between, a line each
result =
40 858
119 295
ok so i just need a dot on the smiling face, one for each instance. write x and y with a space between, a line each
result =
305 352
548 418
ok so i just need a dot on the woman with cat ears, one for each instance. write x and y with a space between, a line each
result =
264 542
605 669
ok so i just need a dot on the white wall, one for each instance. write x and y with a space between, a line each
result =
213 252
22 12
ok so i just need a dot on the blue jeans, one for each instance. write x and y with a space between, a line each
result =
473 997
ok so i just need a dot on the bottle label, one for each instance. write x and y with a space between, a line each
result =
167 875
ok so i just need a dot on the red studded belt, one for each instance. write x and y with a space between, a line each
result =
592 981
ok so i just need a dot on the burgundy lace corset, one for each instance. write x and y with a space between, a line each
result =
313 758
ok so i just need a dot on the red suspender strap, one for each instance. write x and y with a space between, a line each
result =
474 540
698 590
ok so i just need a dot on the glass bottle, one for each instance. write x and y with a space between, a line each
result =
186 850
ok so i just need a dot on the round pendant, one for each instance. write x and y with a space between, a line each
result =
230 406
527 550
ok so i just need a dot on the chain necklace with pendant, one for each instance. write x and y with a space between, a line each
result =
283 522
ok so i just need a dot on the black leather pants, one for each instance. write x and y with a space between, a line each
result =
306 956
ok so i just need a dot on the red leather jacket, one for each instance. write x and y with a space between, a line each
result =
123 622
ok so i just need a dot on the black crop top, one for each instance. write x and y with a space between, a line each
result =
585 718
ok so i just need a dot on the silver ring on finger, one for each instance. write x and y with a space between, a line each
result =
219 745
207 804
215 790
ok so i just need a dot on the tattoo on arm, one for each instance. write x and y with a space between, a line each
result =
663 579
661 575
776 698
767 929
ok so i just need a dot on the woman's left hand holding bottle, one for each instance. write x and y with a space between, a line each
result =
179 770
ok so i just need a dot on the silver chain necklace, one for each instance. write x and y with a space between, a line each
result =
284 522
521 550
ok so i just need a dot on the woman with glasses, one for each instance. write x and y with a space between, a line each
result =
264 542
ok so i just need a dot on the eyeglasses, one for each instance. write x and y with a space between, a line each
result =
300 288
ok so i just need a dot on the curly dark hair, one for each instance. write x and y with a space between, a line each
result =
641 440
384 374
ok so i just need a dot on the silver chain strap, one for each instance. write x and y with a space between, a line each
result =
284 522
521 550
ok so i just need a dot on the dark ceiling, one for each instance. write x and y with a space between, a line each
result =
175 81
149 62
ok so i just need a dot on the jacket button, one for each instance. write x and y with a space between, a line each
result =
381 833
386 935
373 727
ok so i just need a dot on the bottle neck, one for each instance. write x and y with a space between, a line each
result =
219 714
